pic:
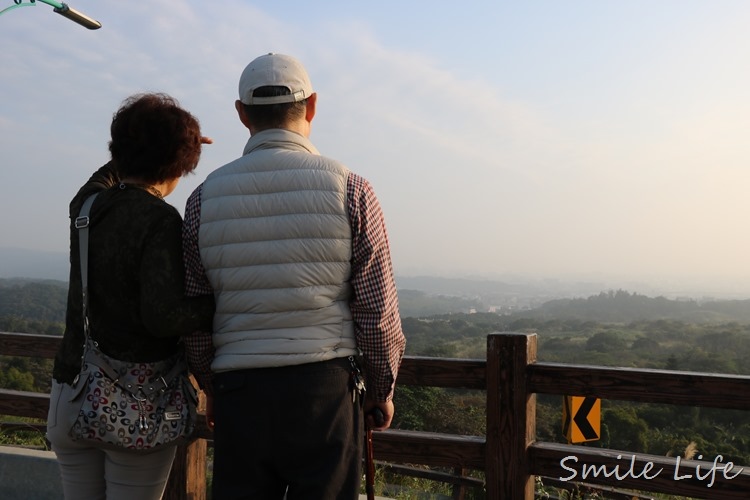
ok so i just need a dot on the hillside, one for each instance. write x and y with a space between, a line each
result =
33 299
623 307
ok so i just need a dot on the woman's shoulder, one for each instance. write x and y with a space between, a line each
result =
101 180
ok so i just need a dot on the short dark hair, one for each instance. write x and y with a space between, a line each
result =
154 139
265 116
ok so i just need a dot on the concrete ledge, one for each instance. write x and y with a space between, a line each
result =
33 475
29 474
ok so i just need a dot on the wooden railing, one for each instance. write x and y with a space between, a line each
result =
509 454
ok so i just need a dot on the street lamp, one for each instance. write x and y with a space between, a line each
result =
64 10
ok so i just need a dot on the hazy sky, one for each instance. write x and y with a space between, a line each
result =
548 138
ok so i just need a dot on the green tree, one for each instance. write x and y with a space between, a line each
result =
16 380
608 341
625 429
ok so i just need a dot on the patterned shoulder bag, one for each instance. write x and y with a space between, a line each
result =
126 405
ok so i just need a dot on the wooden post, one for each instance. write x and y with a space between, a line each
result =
187 480
511 416
459 490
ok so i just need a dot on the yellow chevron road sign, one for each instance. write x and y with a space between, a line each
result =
581 419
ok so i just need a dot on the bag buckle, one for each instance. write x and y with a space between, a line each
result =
82 222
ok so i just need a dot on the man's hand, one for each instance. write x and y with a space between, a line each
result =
387 411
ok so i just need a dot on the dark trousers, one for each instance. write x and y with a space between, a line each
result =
291 429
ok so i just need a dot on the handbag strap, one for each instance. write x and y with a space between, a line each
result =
82 223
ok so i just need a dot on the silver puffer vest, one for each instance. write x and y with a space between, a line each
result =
275 240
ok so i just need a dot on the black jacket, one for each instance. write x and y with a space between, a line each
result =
137 307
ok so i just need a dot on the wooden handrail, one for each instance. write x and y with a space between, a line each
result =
29 345
509 455
730 392
23 404
442 372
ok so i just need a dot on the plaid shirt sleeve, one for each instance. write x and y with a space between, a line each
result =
199 346
375 303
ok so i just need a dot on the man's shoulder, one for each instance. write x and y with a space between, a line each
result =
196 194
228 167
331 164
357 181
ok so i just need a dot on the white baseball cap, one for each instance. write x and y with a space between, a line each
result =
275 70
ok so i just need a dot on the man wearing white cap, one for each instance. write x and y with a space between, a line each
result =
295 249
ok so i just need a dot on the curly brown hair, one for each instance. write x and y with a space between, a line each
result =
154 139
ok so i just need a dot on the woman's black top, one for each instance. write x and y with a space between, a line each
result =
137 306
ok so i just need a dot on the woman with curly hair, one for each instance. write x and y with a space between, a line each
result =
137 308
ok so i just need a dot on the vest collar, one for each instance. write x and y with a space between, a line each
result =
279 138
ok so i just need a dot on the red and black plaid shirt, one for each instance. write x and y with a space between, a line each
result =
374 305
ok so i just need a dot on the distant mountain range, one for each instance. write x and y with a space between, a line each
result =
37 264
480 293
623 307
